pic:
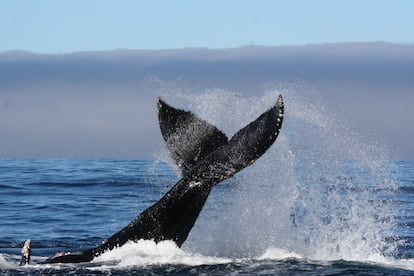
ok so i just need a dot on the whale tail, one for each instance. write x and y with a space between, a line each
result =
189 139
192 141
205 157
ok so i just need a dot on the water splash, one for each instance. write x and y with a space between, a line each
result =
278 254
322 191
146 253
6 264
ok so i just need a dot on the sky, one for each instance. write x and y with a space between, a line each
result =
100 104
48 26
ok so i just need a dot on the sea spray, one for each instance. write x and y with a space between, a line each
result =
311 193
337 214
5 263
146 253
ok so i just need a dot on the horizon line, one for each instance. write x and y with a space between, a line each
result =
245 46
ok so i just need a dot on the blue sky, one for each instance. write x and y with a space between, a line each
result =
47 26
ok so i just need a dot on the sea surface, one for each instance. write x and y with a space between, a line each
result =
69 204
323 200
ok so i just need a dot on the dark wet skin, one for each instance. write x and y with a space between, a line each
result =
205 157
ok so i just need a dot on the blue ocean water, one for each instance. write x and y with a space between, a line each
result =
68 204
323 200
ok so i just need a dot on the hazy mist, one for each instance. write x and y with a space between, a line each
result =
103 104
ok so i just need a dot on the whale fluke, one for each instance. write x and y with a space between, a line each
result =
206 157
189 139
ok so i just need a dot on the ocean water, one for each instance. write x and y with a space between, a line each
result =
322 200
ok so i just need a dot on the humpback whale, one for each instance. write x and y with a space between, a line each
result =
205 157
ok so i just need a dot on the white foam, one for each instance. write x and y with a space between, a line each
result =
5 264
145 252
407 264
273 253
